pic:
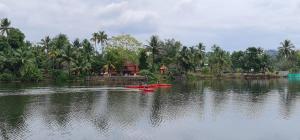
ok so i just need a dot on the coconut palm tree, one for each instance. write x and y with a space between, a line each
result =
88 50
153 45
95 37
200 55
68 57
76 43
45 43
102 39
186 59
4 26
286 48
219 60
109 67
201 50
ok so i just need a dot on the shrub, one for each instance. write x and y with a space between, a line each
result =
150 76
60 75
205 70
7 77
191 77
294 70
30 72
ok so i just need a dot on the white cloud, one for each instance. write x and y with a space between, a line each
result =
188 20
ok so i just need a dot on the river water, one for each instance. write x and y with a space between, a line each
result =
202 110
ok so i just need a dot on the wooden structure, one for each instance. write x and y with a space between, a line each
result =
130 69
163 69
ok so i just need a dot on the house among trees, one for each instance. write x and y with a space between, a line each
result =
130 69
163 69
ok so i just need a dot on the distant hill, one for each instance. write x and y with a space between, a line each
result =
272 53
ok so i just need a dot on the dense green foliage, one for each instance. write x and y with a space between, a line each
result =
219 60
252 60
59 58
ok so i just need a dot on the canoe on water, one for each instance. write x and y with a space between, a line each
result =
140 86
148 90
149 86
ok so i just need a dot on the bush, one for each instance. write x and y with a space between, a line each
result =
150 76
294 70
30 72
191 77
205 70
7 77
60 75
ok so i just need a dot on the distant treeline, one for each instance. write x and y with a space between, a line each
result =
59 58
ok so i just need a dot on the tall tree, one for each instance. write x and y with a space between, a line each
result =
59 46
143 64
219 60
169 51
45 43
199 55
4 26
286 48
237 59
153 44
185 59
102 39
95 37
76 43
256 59
16 38
126 41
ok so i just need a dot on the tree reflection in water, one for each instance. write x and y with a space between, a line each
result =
116 114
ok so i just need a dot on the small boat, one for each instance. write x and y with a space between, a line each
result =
161 85
149 86
148 89
141 86
164 85
134 86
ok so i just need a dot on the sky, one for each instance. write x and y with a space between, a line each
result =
231 24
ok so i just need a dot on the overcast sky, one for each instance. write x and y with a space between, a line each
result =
232 24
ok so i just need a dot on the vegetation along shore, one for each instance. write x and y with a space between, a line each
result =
58 58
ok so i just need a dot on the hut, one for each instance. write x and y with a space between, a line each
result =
163 69
130 69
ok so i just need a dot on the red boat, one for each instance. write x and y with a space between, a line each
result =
150 86
148 90
141 86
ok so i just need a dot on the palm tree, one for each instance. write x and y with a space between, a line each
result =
4 26
185 59
109 67
286 49
219 60
45 42
76 43
53 54
67 56
200 54
153 45
102 39
95 37
201 50
80 65
88 50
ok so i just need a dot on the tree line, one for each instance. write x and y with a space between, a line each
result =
59 58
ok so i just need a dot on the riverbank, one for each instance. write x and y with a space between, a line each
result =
164 78
247 76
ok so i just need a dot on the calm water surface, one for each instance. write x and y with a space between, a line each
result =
203 110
